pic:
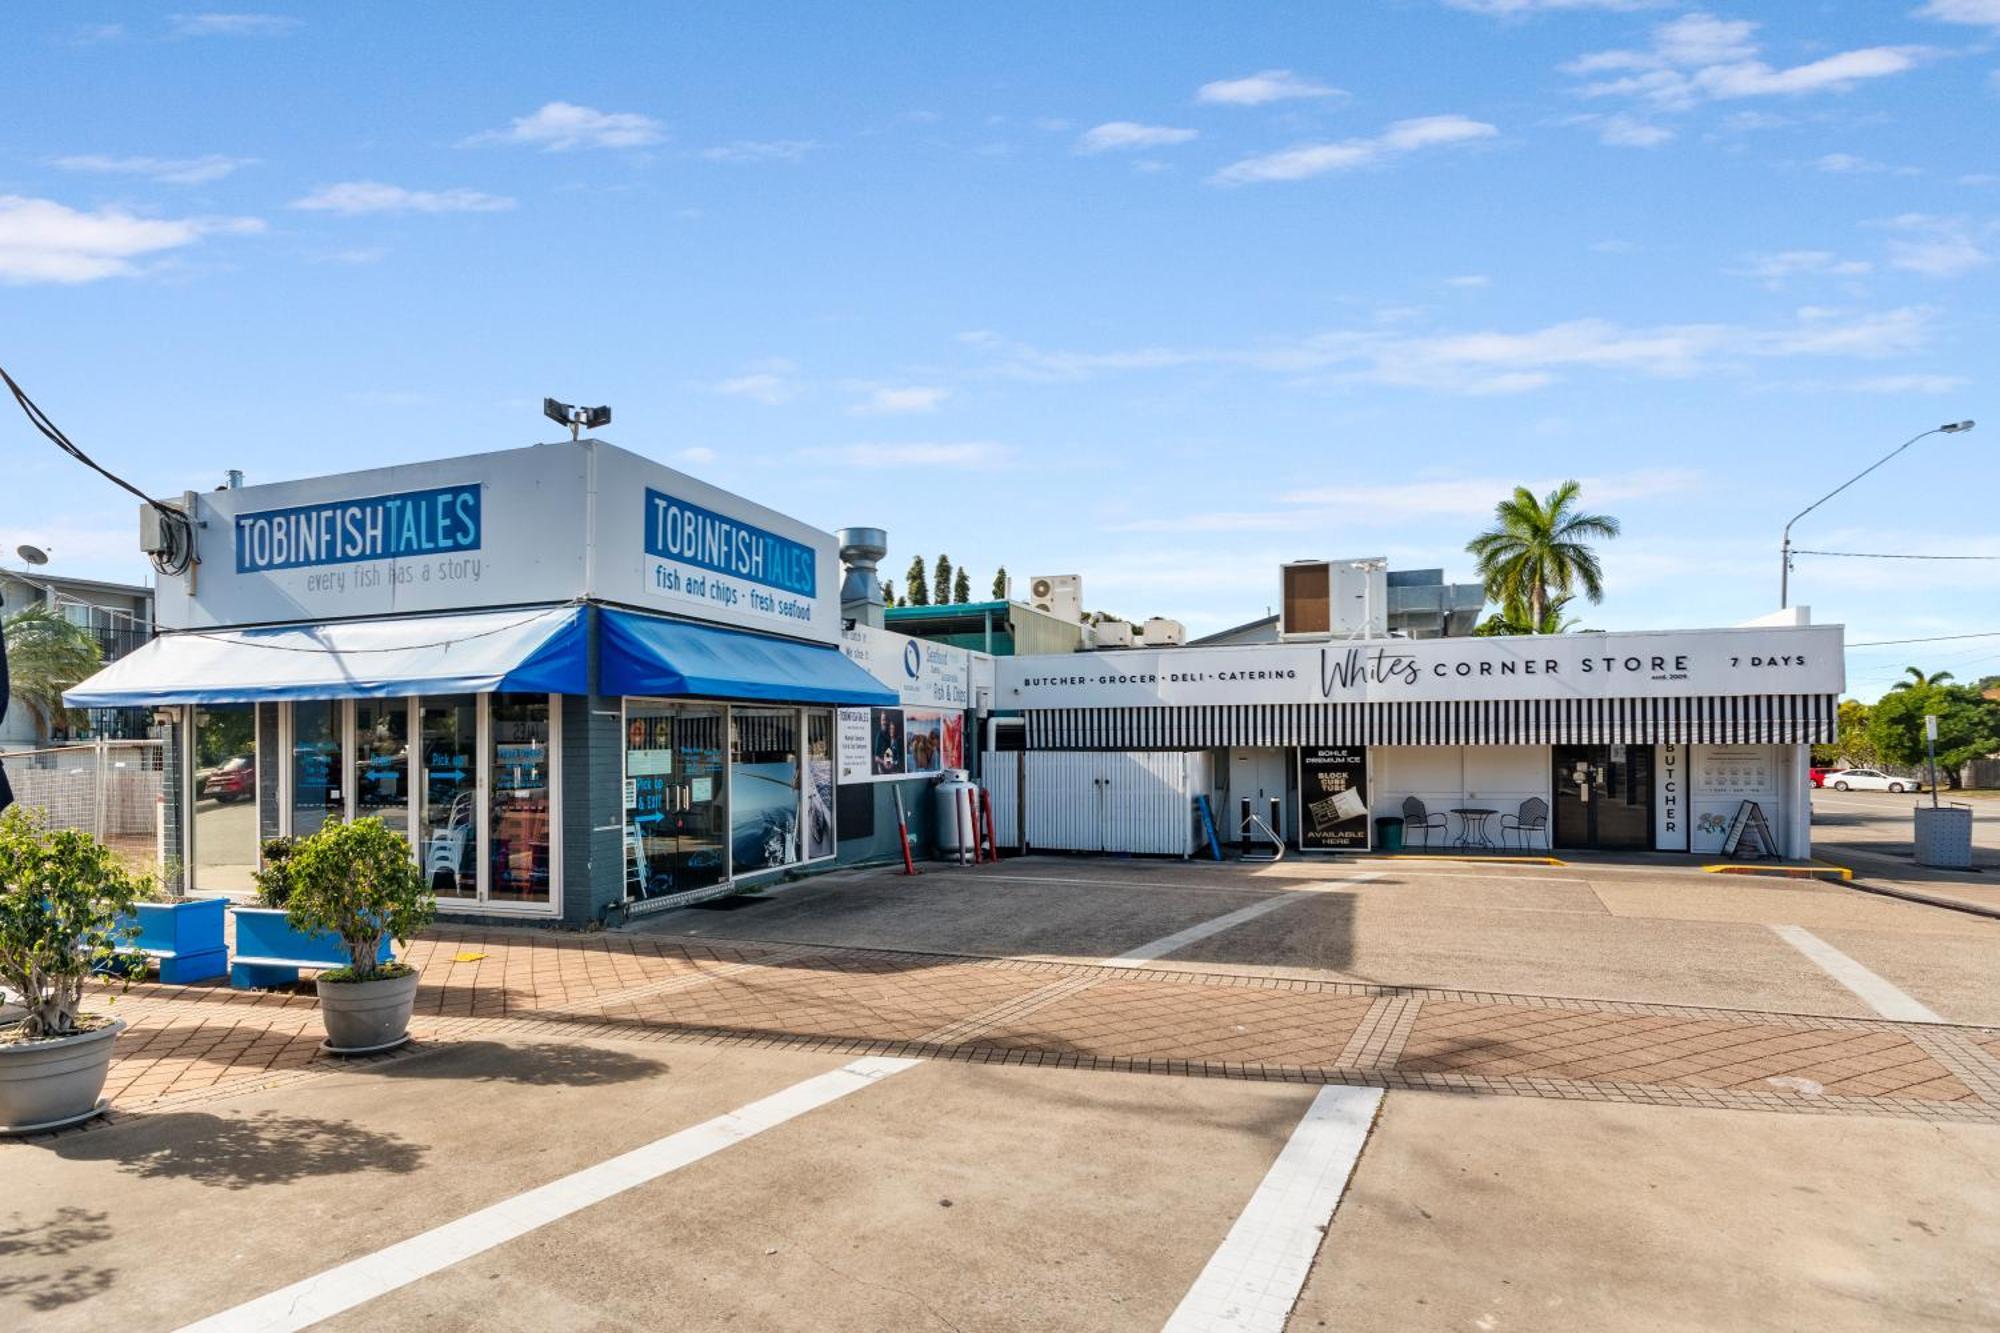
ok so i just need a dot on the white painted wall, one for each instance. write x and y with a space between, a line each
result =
1497 777
1722 777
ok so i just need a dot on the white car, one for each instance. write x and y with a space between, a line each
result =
1869 779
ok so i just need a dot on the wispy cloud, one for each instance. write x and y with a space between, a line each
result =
1121 135
1623 131
44 241
1513 8
760 150
971 455
1908 384
1937 247
167 170
1980 13
697 453
904 401
232 25
1303 161
1775 269
770 382
1469 281
1699 57
357 197
1270 85
559 126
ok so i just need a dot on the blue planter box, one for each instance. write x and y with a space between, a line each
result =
270 953
184 938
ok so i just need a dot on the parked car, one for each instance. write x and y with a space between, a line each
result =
234 780
1819 775
1869 779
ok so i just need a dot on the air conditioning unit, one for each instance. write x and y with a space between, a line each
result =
1114 634
1159 632
1060 595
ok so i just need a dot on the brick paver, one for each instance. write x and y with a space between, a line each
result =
195 1043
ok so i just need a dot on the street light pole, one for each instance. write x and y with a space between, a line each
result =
1785 548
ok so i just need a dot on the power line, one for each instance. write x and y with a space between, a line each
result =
1879 555
1936 638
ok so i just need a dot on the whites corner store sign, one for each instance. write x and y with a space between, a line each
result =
504 529
1686 663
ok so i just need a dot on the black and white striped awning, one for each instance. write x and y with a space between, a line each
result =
1770 719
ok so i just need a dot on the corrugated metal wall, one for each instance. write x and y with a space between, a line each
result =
1000 774
1099 801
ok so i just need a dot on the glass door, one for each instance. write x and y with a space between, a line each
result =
448 812
317 791
1604 796
676 798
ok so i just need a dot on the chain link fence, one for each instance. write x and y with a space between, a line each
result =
110 789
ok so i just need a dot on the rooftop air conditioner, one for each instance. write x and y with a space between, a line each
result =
1114 634
1060 595
1159 632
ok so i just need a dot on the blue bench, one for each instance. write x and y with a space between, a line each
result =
183 938
270 953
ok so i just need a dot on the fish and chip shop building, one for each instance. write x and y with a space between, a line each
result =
581 683
1633 741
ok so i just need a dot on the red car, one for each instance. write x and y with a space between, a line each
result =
235 780
1819 775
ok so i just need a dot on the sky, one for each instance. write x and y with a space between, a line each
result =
1162 296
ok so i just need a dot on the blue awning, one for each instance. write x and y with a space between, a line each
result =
533 651
646 655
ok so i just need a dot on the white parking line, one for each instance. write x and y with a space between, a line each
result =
1876 993
1180 939
327 1294
1254 1277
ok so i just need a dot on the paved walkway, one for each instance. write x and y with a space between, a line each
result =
194 1043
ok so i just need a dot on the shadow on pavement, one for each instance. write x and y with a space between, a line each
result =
539 1064
241 1153
50 1287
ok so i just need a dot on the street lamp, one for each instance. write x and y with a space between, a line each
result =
1785 573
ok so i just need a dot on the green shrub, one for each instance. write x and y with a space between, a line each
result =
274 880
359 882
66 908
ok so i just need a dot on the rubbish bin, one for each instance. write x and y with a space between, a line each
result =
1944 836
1389 834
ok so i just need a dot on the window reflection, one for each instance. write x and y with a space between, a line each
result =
382 761
677 801
225 797
518 867
448 729
764 789
316 791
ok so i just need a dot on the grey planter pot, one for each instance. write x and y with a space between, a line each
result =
366 1016
49 1084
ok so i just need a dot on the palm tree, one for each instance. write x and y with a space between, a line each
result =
1918 680
1536 547
45 656
1514 619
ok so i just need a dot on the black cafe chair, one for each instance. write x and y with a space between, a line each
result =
1532 818
1417 820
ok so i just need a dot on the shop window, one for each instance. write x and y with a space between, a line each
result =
676 798
382 761
448 815
225 798
764 789
519 853
819 783
316 768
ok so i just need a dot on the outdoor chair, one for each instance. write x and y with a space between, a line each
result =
1417 820
1532 818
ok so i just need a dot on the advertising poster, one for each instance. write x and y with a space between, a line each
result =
855 727
885 746
923 735
1333 799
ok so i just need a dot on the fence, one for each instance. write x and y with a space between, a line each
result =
110 789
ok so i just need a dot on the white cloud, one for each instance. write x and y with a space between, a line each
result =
1622 131
1465 496
1469 280
44 241
1908 384
1774 269
1845 164
357 197
168 170
1983 13
882 402
1270 85
1304 161
1979 178
558 126
769 387
232 25
972 455
1937 247
1116 135
1511 8
91 33
696 454
1699 57
760 150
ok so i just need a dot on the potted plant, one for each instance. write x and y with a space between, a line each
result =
65 911
358 882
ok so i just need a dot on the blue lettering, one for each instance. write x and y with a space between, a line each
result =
380 527
678 530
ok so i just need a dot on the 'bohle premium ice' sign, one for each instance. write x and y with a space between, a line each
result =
345 532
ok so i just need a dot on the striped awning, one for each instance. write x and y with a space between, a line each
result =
1769 719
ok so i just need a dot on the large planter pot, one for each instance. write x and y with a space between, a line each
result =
366 1016
49 1084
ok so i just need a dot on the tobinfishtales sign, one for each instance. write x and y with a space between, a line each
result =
1650 664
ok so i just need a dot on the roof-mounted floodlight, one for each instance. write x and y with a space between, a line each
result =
576 418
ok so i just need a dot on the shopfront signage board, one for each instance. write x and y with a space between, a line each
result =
1333 799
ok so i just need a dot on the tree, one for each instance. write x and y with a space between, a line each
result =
1917 679
916 584
1539 547
1854 749
888 593
1968 726
941 580
1514 619
1000 584
46 654
961 587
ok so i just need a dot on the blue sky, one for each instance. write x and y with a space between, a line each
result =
1158 295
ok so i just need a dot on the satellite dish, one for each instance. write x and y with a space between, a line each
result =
34 555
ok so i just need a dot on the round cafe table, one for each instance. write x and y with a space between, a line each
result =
1472 826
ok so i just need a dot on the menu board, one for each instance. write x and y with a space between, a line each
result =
1333 798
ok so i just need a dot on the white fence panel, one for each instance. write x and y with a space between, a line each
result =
1102 801
1000 774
